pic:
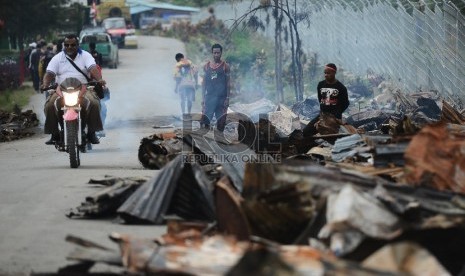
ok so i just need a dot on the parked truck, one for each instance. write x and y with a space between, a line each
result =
114 16
103 45
116 28
113 8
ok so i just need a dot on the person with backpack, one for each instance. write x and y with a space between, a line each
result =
186 77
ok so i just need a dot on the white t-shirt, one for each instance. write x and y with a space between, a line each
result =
60 66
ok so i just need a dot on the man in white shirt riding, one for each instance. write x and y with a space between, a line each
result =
60 68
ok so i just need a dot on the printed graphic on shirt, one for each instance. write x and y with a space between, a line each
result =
329 96
214 75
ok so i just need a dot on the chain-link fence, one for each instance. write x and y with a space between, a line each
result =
418 45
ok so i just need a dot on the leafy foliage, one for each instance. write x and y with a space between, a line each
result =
25 18
9 73
11 100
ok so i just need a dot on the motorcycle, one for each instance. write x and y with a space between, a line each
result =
72 138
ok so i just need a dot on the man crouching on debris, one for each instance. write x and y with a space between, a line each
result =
333 99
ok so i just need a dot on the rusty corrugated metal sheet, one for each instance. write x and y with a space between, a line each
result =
230 216
275 210
436 158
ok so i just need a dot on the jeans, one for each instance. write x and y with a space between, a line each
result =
214 106
103 105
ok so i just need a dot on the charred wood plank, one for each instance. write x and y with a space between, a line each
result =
109 199
95 255
390 154
451 115
85 243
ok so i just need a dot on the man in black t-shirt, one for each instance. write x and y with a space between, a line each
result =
332 94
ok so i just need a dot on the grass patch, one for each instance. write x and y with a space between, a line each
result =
17 97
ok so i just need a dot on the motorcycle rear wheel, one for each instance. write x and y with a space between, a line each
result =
72 141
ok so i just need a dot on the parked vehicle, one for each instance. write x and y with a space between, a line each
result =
91 30
130 40
116 28
103 45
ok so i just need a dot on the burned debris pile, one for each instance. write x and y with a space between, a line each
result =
106 201
17 125
382 195
157 150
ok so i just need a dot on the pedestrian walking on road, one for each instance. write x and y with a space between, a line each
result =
215 89
186 77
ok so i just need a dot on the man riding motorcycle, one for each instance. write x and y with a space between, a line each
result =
76 63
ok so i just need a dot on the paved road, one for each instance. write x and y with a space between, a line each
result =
37 186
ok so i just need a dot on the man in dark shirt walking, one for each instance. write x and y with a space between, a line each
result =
215 89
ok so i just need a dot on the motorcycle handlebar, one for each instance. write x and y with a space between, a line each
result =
51 87
54 86
92 83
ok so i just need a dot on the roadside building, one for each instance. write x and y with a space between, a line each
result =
146 13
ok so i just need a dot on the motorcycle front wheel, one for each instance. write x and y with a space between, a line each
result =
72 141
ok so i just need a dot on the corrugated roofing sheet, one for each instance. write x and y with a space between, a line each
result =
137 6
139 9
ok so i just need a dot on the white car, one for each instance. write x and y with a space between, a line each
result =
130 40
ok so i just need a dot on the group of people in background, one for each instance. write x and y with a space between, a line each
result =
215 84
216 87
48 63
37 57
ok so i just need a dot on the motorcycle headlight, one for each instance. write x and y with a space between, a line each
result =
71 98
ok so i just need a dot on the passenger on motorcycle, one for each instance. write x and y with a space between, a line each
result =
60 68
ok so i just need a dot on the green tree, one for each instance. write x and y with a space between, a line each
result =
26 18
282 10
